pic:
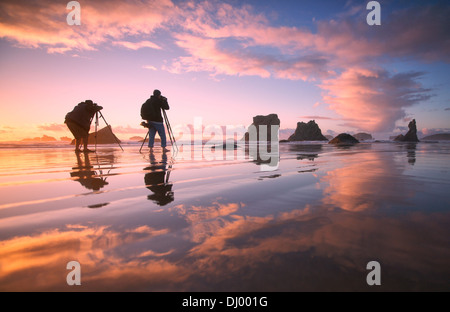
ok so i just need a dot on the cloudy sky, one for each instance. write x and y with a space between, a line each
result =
226 61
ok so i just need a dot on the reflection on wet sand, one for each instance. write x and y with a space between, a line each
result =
157 180
92 170
358 183
38 262
306 151
219 243
411 152
296 250
335 248
85 174
335 244
264 154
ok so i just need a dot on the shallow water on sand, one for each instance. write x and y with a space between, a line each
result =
145 222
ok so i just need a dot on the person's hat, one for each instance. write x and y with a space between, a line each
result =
156 92
89 102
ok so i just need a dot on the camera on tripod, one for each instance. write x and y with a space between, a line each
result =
98 107
93 105
145 124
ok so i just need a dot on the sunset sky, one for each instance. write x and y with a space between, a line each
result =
226 61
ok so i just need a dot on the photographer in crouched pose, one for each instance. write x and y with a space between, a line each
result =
79 122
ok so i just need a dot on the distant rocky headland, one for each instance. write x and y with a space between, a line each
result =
44 138
438 137
136 138
363 136
141 139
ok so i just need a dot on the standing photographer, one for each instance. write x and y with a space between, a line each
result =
151 111
79 122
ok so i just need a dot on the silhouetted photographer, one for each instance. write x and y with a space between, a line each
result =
151 112
79 122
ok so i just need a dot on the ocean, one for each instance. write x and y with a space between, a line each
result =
313 217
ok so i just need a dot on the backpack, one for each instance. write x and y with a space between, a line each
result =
146 110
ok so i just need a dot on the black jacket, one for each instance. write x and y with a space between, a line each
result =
151 109
82 114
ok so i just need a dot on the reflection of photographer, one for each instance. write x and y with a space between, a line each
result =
79 122
85 174
157 181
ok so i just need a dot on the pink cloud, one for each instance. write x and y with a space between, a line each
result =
150 67
207 56
221 39
373 100
415 32
316 117
137 45
342 55
43 23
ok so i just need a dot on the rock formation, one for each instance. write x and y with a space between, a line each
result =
65 139
225 146
411 135
363 136
307 132
344 138
136 138
438 137
104 136
269 120
44 138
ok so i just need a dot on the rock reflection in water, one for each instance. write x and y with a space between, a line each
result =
306 151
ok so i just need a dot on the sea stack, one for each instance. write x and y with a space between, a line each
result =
104 136
307 132
411 135
344 138
363 136
269 121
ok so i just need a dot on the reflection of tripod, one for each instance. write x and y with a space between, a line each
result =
169 131
108 126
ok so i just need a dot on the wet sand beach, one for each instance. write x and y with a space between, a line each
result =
141 222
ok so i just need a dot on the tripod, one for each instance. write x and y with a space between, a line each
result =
109 127
169 130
